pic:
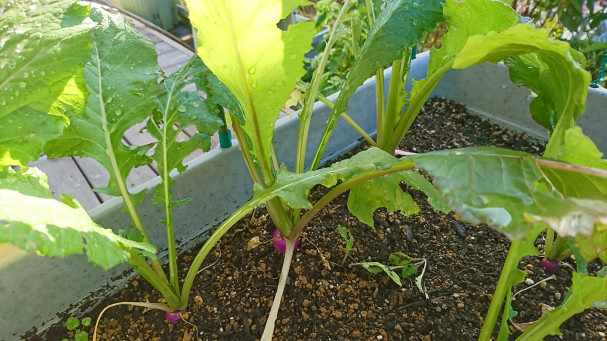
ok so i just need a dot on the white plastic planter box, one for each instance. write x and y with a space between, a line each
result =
34 289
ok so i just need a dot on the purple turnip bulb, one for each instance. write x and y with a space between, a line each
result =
174 316
551 265
280 244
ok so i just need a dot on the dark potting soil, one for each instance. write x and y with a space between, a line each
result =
326 300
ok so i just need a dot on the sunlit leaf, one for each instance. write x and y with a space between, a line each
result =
260 64
121 78
56 228
43 48
489 16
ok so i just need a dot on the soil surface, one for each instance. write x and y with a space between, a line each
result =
327 300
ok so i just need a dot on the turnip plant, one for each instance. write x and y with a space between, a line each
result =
78 77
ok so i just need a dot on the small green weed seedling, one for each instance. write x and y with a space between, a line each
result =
401 267
73 325
346 234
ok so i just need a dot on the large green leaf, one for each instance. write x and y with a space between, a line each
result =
260 64
181 109
554 74
580 150
400 25
293 188
121 78
56 228
384 191
510 191
43 48
469 18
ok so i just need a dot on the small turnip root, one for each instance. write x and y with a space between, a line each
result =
174 316
551 265
279 242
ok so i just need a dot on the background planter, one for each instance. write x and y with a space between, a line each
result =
35 288
163 13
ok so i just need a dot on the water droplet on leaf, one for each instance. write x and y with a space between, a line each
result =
252 70
181 108
22 85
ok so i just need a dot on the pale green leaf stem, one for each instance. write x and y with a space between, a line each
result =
178 108
305 115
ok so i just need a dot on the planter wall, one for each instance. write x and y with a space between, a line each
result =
35 288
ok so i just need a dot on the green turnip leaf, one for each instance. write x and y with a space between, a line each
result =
466 19
400 25
56 228
376 267
510 191
419 182
593 247
346 234
384 191
178 108
217 93
577 148
488 16
554 71
43 48
293 188
260 64
121 78
399 259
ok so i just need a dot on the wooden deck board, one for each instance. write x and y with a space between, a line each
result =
96 174
172 60
66 178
